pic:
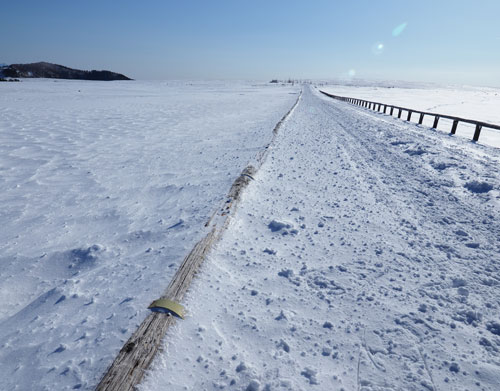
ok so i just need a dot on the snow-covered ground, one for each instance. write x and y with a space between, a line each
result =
104 189
364 256
477 103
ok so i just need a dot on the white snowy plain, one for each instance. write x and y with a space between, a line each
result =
364 256
105 187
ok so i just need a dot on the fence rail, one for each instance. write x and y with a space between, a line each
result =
377 106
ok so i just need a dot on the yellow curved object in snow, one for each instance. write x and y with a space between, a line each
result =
167 306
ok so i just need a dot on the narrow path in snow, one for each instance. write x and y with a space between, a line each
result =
365 256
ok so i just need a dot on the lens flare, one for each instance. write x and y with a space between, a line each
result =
399 29
378 48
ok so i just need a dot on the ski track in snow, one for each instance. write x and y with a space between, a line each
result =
364 256
105 187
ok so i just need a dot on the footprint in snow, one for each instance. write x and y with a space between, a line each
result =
440 166
478 187
415 152
282 227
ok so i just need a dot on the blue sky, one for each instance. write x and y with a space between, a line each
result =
443 41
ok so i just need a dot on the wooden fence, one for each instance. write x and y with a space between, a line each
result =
382 107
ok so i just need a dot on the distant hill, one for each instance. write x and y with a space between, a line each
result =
54 71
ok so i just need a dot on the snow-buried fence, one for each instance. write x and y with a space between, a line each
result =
382 107
134 358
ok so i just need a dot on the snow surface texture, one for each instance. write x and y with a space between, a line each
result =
105 187
477 103
364 256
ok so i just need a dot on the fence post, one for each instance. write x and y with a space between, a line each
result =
392 110
409 115
421 119
477 132
399 114
436 120
454 127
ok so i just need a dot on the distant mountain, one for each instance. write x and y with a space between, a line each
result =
54 71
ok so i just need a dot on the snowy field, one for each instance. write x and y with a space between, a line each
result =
477 103
365 256
104 189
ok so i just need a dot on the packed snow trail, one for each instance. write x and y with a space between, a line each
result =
364 256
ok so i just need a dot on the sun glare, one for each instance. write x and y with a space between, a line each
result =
378 48
399 29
